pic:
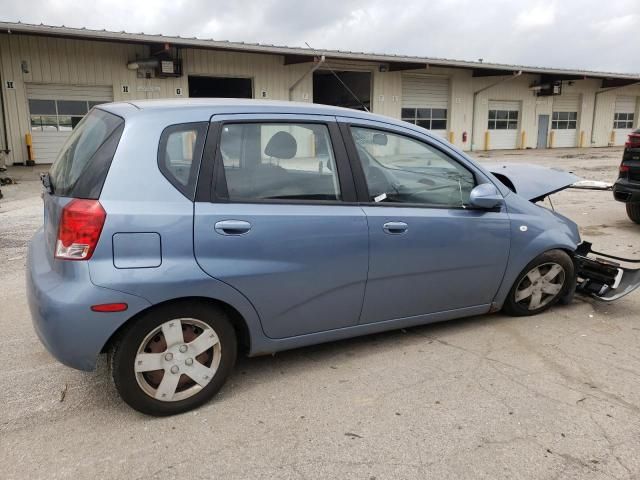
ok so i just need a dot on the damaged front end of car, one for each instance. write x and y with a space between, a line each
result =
599 275
602 276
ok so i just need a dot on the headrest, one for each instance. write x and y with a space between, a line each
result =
282 146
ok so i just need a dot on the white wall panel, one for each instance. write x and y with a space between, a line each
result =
47 144
625 104
567 102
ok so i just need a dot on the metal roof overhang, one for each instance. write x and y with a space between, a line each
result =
296 55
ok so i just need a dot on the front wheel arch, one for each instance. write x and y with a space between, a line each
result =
559 257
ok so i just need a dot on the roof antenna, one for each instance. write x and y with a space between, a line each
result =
341 82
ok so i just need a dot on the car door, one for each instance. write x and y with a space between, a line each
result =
280 223
429 251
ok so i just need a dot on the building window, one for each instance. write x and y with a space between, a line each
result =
429 118
503 120
564 121
58 115
623 120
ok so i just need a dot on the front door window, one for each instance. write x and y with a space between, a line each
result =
400 169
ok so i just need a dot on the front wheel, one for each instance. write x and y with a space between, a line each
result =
633 212
543 282
173 358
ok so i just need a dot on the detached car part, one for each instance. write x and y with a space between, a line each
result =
598 275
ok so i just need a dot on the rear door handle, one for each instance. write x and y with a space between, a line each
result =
232 227
395 228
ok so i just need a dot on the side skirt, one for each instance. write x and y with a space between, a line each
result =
264 345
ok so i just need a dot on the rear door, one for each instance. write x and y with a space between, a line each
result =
429 252
276 218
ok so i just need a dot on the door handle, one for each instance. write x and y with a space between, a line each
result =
395 228
232 227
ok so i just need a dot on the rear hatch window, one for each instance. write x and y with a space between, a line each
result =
82 165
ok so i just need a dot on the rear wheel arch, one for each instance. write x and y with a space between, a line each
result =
236 319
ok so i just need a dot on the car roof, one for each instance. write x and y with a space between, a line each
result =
236 105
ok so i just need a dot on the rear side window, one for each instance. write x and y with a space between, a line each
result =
179 155
279 161
83 163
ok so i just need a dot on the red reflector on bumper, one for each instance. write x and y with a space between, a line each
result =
110 307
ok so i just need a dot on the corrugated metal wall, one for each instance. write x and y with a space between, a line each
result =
85 62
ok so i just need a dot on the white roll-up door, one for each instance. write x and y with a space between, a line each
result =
55 110
624 119
503 124
425 102
564 120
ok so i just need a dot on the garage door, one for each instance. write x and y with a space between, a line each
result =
425 102
55 110
564 120
503 124
623 118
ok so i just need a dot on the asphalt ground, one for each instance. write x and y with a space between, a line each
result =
551 396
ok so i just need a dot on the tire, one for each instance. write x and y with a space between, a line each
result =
633 212
529 297
186 341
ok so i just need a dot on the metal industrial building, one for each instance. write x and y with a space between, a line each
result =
51 76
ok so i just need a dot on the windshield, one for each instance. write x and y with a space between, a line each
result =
82 164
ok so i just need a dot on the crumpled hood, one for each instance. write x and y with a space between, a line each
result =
532 182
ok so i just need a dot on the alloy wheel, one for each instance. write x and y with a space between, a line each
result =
177 359
540 286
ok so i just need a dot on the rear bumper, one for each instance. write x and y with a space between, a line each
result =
60 294
626 191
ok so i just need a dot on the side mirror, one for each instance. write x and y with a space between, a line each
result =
486 196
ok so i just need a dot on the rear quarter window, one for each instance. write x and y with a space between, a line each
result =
82 165
179 155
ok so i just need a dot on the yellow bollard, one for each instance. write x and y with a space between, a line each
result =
581 144
31 156
612 138
487 138
451 137
523 140
552 138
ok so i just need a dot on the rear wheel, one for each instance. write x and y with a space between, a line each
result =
543 282
173 358
633 212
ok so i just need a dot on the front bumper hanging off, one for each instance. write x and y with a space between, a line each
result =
600 277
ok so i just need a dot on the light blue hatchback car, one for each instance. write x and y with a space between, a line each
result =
178 233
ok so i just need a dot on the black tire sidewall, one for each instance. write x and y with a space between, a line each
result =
560 257
633 212
126 348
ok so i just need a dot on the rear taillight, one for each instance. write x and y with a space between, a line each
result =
79 230
624 168
633 141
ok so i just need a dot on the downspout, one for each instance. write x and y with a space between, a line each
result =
475 97
6 150
318 62
595 102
